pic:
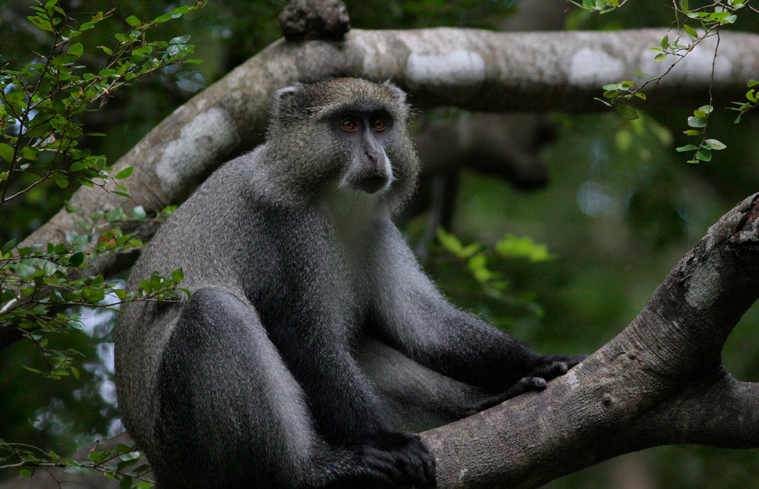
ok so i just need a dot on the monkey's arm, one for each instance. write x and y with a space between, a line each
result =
346 410
413 316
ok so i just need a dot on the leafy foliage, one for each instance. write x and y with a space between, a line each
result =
697 24
38 130
43 285
122 463
484 266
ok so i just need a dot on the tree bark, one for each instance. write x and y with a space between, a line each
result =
471 69
660 381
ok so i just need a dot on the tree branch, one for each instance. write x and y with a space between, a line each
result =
660 381
468 68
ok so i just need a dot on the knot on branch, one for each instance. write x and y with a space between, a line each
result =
314 19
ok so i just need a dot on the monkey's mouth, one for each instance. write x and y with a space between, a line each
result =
369 182
372 184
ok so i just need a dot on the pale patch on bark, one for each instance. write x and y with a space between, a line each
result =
704 286
210 133
571 379
459 67
594 66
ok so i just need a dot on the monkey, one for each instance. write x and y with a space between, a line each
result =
313 344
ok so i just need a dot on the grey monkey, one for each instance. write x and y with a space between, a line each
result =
312 337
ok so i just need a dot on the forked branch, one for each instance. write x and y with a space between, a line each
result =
660 381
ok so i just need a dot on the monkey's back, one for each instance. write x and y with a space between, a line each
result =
220 237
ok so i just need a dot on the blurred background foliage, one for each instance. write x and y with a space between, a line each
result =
620 209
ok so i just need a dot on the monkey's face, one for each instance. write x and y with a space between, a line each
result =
363 136
347 135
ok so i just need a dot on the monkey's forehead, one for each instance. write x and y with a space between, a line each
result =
360 106
352 91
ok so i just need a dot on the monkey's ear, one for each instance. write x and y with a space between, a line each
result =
400 94
286 100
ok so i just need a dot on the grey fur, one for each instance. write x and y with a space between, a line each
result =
311 330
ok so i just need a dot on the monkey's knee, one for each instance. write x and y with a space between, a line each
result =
230 412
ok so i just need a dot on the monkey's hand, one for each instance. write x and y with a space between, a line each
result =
399 459
543 370
552 366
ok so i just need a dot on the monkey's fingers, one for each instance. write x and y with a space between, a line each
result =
381 465
570 360
553 366
525 384
418 463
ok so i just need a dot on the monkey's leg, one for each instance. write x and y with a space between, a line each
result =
231 413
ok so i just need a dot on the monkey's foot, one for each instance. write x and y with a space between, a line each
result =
399 458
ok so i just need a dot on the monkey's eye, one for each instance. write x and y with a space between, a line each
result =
379 125
348 124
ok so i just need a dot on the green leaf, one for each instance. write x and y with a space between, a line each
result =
716 144
9 245
6 152
450 242
41 23
76 259
180 40
660 57
687 147
470 250
93 295
133 21
98 457
704 155
177 275
78 165
163 18
114 215
514 247
76 50
29 153
690 31
124 173
627 112
694 121
62 182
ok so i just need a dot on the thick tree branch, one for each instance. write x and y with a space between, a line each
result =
472 69
660 381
